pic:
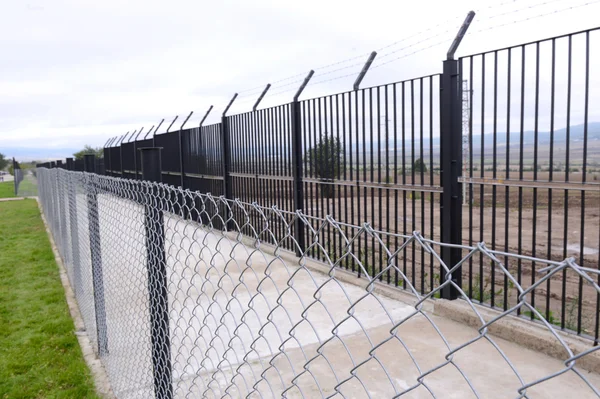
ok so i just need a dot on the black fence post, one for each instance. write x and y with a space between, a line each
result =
15 177
225 143
451 166
298 186
227 183
96 254
157 276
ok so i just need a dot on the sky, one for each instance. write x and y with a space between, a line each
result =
80 72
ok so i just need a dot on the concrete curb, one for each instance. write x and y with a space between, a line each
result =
12 199
530 335
99 375
511 328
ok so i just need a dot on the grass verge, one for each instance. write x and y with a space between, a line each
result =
7 189
39 353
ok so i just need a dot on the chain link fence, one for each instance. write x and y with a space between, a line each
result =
190 295
25 182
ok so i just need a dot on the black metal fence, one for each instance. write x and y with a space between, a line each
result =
501 147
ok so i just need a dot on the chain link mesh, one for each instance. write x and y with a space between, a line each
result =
243 316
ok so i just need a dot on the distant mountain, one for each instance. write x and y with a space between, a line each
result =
576 134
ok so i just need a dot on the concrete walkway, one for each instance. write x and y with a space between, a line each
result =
243 322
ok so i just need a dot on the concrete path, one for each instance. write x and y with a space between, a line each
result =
244 323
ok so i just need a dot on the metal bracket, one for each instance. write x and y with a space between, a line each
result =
185 121
122 138
169 128
303 85
460 35
156 130
261 96
229 105
206 115
150 131
132 134
364 70
141 130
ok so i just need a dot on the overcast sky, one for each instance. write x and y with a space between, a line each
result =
78 72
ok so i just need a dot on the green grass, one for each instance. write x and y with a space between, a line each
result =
28 187
39 353
7 189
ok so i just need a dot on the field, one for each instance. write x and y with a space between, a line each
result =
7 189
39 353
535 221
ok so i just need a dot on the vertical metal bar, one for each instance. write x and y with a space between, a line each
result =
584 180
521 159
157 277
371 155
395 180
322 187
535 168
96 254
551 167
387 176
507 175
470 143
334 189
404 216
422 173
412 180
298 173
351 166
566 197
482 174
342 147
451 141
431 195
494 176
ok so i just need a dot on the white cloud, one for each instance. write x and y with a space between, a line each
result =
78 72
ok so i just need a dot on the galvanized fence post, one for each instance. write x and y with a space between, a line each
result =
298 185
96 255
157 278
75 257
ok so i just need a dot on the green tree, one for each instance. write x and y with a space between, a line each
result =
3 161
419 166
88 149
324 162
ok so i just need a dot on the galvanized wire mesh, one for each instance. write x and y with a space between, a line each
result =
247 317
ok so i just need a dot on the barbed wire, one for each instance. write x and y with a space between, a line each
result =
249 95
556 11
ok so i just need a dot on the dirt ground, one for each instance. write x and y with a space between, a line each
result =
534 222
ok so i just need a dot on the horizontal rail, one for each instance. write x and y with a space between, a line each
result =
531 183
199 176
391 186
259 176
